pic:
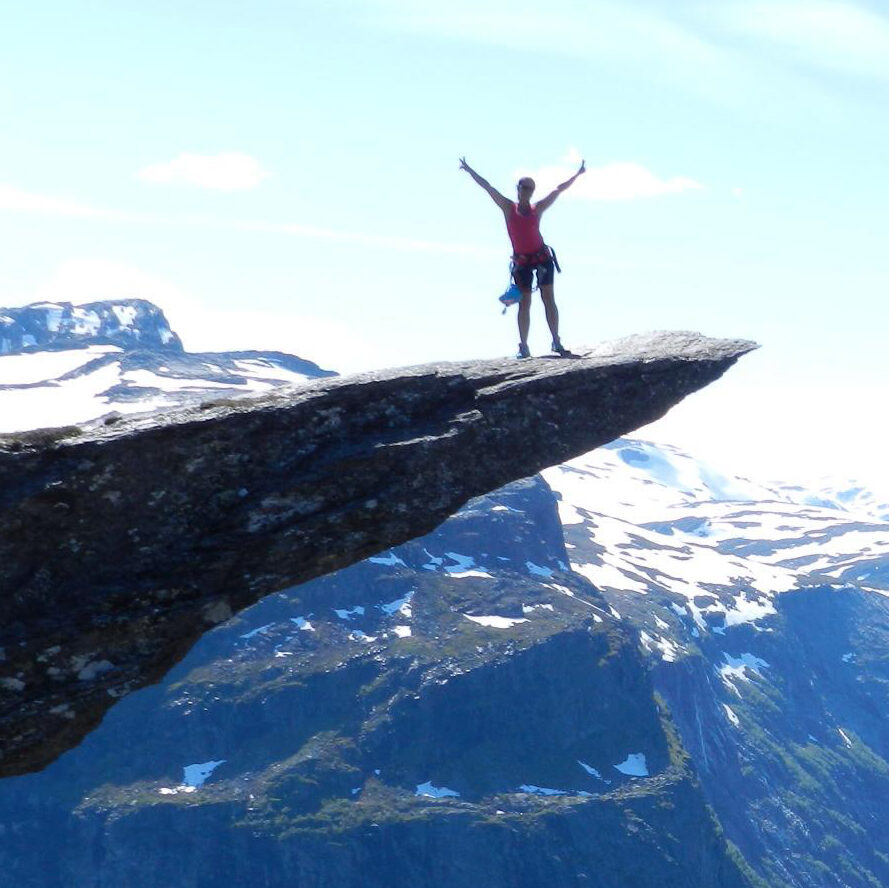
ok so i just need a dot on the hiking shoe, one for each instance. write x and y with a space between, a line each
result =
524 351
559 349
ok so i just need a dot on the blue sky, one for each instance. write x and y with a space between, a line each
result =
285 175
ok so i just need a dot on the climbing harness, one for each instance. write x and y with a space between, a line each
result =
513 294
541 257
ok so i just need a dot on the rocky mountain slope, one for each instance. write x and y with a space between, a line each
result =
763 612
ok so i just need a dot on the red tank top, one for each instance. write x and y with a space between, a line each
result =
524 231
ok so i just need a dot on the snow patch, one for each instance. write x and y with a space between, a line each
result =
400 605
26 369
259 631
149 379
634 765
391 559
427 790
747 611
590 770
609 576
668 650
495 622
434 561
735 669
53 316
542 790
569 514
196 775
126 315
464 566
537 570
530 608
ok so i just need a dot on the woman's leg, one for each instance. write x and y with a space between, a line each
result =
547 294
524 321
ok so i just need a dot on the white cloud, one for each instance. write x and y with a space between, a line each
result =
15 200
229 171
841 36
628 181
619 180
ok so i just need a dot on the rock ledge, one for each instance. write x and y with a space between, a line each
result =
121 543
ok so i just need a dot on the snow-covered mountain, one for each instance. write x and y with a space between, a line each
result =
62 364
641 518
635 670
127 323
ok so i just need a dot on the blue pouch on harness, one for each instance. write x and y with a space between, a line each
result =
512 295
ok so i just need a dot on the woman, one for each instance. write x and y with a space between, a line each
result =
530 255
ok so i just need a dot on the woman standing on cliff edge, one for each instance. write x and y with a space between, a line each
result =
530 254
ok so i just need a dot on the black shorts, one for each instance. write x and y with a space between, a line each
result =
523 274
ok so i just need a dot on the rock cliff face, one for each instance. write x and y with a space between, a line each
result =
121 543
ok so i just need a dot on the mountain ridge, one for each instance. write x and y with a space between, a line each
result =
104 360
128 323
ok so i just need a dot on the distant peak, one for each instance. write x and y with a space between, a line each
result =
130 324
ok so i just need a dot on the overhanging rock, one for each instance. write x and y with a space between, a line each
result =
121 543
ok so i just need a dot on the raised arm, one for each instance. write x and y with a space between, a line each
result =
549 200
504 203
